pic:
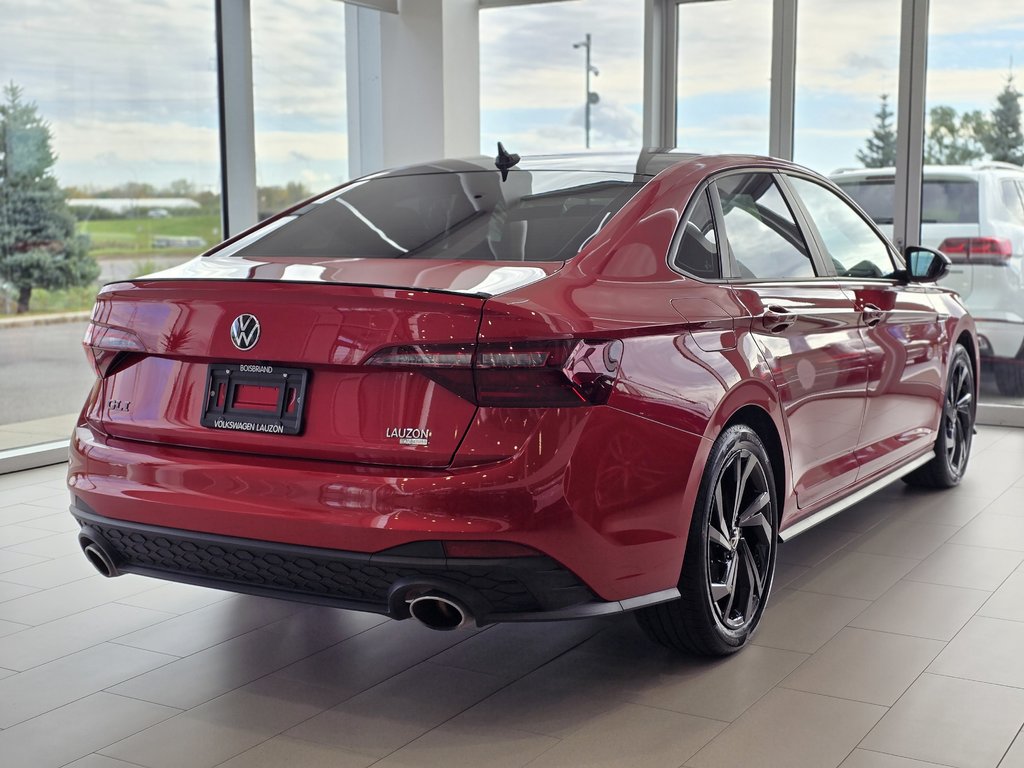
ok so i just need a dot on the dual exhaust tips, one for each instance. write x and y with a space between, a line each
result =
432 608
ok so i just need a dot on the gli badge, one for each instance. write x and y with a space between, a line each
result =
245 332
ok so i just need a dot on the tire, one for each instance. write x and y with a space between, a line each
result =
729 562
956 428
1010 377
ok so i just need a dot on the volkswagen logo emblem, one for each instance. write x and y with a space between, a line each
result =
245 332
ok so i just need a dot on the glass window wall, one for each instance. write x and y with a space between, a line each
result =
974 150
298 51
534 77
108 169
724 76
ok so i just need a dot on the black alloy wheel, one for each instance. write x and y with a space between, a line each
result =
956 427
730 553
958 416
740 542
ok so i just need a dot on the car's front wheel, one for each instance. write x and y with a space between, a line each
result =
956 428
730 553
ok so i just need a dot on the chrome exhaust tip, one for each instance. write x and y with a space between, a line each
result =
440 612
96 554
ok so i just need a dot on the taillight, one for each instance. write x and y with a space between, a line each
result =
524 374
985 250
106 347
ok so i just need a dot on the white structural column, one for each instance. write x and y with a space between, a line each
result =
363 90
910 114
783 93
237 132
413 83
660 57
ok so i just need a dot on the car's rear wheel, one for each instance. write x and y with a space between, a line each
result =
1010 376
730 553
956 428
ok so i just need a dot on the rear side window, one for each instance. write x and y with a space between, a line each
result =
473 215
853 247
697 251
1013 199
949 202
943 201
763 236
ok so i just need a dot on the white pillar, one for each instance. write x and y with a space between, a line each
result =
910 119
660 63
783 93
237 131
413 83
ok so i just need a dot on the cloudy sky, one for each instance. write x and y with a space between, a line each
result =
129 88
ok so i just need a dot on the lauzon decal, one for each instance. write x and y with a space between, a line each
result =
408 435
249 426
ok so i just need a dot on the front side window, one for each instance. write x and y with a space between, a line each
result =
853 247
765 240
697 252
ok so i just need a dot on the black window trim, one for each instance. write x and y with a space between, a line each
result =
705 188
734 276
817 243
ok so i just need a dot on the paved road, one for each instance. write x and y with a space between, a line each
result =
43 371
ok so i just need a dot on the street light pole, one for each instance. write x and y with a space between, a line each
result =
591 97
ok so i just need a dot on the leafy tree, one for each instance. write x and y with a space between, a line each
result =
38 245
1003 140
271 200
954 139
880 150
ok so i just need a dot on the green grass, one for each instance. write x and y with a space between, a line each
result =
129 238
66 300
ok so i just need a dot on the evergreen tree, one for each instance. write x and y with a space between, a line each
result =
880 150
954 139
38 245
1003 140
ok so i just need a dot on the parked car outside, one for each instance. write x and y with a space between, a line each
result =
483 390
975 215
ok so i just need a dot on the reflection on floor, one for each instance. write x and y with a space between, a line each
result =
896 629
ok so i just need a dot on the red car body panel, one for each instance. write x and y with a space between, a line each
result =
604 490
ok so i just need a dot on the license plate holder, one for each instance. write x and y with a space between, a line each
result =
255 398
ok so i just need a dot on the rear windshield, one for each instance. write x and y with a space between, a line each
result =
533 216
944 201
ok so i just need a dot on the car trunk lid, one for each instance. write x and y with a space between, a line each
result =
191 384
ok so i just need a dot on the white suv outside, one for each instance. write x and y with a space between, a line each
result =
975 215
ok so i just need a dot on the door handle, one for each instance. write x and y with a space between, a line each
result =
872 315
777 319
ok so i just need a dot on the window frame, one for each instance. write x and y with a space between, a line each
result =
816 241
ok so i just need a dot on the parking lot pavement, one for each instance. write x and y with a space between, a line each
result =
45 372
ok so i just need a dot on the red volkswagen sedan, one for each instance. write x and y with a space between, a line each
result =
562 387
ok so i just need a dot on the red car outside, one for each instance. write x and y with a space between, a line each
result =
470 394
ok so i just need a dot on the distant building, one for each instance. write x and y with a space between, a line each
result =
121 205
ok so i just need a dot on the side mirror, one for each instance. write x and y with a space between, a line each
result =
925 265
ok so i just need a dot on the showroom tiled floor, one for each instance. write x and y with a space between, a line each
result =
895 639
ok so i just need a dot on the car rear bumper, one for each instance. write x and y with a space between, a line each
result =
612 546
1000 338
505 589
